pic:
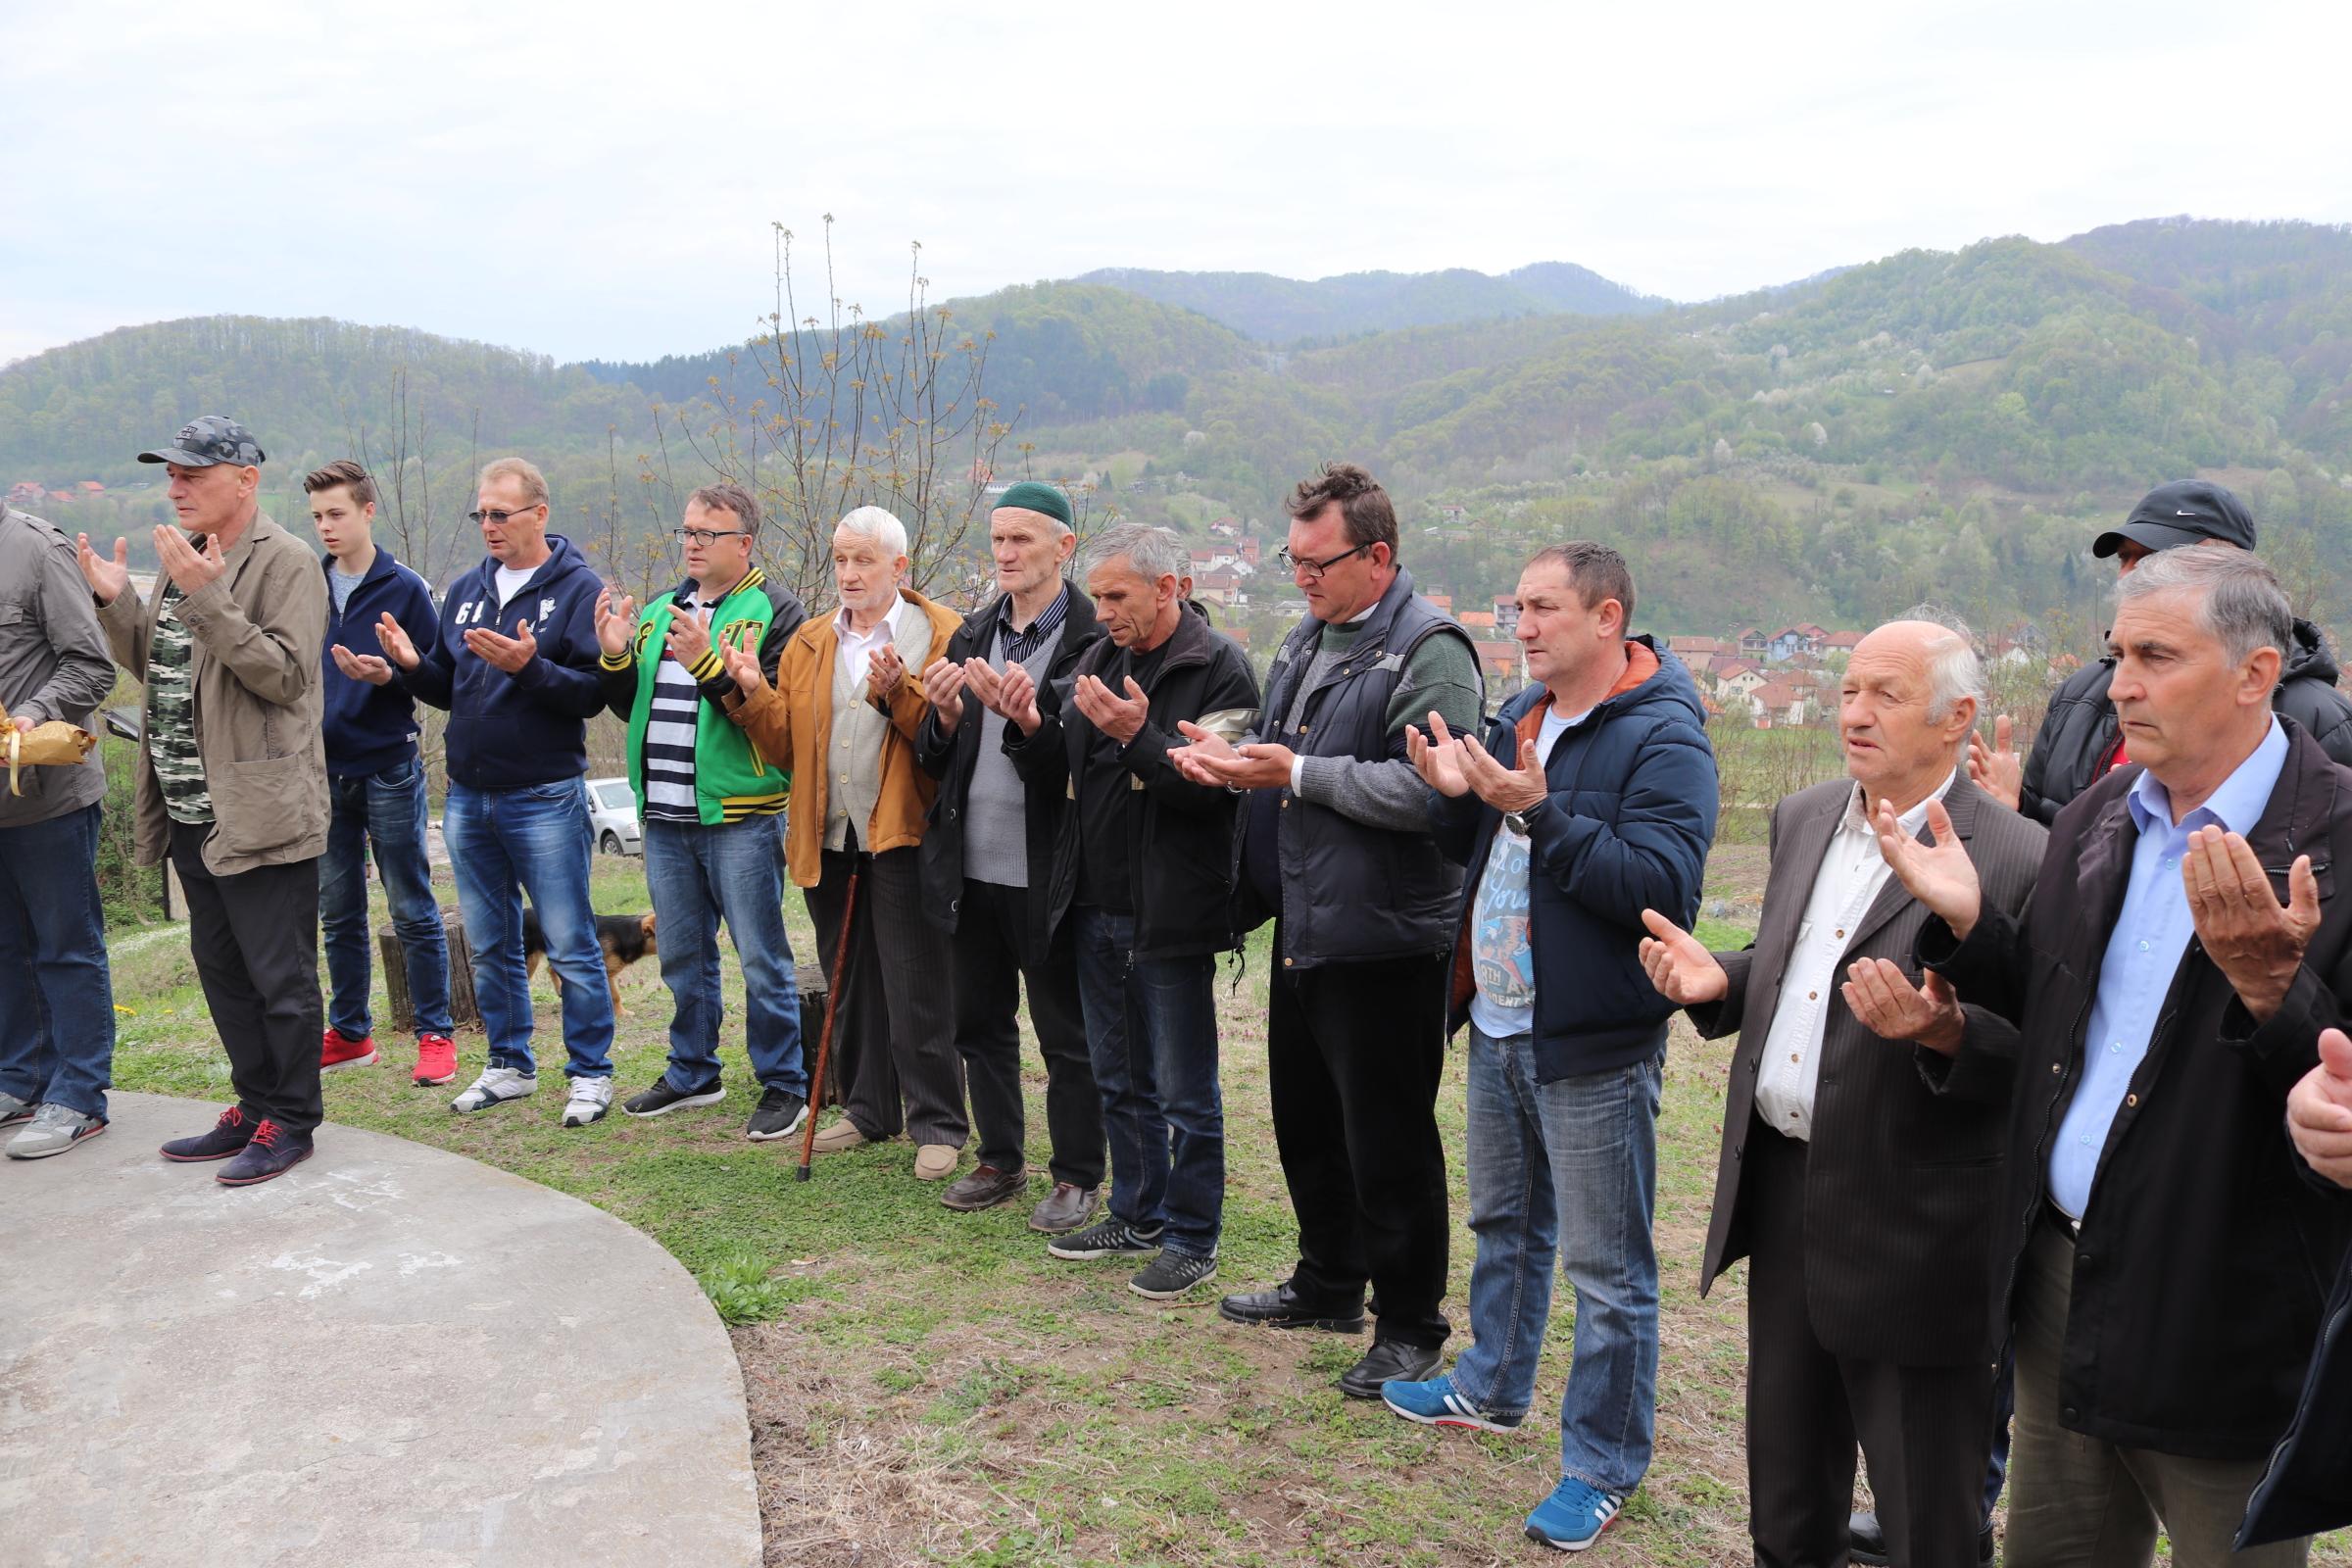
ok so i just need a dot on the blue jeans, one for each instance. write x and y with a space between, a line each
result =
699 875
1151 1030
534 837
57 994
385 811
1568 1168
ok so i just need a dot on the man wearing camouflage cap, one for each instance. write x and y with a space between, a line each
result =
232 776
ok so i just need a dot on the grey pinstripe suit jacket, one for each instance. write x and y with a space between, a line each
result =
1900 1181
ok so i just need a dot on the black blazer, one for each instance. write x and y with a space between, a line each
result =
951 756
1900 1180
2308 1487
2206 1252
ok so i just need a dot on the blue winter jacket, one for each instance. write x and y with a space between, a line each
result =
509 731
370 728
1626 827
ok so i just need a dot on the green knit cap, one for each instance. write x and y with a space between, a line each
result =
1032 495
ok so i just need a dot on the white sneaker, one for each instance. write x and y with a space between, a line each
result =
590 1099
55 1129
496 1086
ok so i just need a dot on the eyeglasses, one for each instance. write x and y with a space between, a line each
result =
706 537
496 519
1315 569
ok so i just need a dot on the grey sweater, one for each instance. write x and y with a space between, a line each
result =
54 663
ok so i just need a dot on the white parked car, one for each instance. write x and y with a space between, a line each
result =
612 816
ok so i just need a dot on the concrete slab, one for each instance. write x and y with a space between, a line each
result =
389 1355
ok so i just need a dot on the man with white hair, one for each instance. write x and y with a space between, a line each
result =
2161 1256
842 718
1862 1199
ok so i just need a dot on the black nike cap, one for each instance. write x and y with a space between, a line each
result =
2186 512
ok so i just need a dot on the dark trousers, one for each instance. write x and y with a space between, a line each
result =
894 1021
990 975
1152 1026
1925 1429
1354 1056
255 939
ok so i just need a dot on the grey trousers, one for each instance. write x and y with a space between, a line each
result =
2075 1499
894 1021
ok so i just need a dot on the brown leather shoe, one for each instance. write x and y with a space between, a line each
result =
1064 1209
985 1188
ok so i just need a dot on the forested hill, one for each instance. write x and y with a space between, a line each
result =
1945 423
1284 310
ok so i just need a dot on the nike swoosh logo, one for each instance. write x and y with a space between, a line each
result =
2184 513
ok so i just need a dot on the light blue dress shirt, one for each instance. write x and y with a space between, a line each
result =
2144 954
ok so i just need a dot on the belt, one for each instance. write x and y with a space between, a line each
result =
2068 1226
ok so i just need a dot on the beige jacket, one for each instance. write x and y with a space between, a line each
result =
257 633
791 723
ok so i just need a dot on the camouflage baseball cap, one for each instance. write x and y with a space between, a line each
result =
204 442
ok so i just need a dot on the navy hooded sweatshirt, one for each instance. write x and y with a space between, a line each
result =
1626 827
510 731
370 728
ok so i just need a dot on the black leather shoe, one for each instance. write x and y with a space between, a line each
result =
1388 1361
1870 1541
1282 1308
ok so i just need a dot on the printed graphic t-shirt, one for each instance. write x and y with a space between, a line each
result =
1501 962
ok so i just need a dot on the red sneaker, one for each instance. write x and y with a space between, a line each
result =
339 1049
436 1061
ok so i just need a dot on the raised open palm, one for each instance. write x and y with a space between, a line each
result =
1685 972
1940 875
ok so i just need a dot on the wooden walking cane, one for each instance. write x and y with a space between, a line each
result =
835 984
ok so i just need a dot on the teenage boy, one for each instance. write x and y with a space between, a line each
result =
374 785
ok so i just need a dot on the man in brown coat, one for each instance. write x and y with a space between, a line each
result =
842 718
232 776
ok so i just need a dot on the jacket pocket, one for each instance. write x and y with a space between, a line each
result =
265 805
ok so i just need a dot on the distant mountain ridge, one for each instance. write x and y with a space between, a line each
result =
1285 310
1930 424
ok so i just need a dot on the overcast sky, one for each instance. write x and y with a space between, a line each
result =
593 181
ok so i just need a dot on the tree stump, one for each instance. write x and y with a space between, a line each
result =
810 980
462 1009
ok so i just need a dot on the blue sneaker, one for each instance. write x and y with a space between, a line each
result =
1434 1405
1573 1517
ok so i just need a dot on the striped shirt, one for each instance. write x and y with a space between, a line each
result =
1021 644
669 732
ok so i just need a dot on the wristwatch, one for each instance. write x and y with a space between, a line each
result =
1516 821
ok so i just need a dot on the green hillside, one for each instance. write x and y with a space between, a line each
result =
1935 424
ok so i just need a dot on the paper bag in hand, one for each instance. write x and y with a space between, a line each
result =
54 743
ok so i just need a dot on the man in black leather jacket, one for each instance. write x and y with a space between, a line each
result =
2080 742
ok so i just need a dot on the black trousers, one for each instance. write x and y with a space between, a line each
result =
1354 1056
255 939
990 975
893 1022
1925 1429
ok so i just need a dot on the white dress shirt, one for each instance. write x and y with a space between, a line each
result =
856 647
1853 871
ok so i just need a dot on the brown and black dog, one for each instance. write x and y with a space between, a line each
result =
624 938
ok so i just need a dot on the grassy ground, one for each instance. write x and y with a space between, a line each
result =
933 1387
